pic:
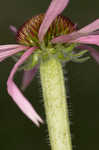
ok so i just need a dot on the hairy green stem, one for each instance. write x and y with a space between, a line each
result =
54 94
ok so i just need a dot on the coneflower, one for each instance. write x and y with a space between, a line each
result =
46 41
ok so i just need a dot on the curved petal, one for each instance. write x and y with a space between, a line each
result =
28 76
90 39
6 51
17 96
55 8
13 29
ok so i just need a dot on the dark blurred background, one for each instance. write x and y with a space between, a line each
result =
16 131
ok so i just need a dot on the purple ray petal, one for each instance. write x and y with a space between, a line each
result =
13 29
4 53
91 27
28 76
22 102
55 8
90 39
93 52
17 96
10 46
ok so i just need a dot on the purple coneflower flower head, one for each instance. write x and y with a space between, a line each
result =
43 36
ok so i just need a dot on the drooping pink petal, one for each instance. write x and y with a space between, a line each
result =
90 39
6 52
23 103
17 96
55 8
93 52
13 29
28 76
91 27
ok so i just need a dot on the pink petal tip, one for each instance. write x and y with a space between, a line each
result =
17 96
